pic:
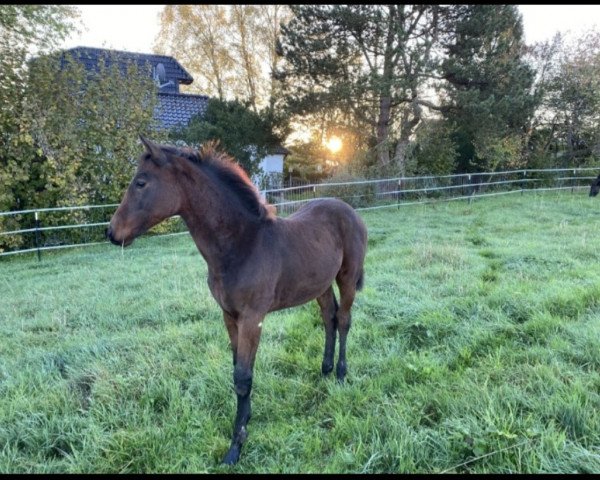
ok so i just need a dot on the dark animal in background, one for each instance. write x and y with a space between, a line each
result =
595 187
257 262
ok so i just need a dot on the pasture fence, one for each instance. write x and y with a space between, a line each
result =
37 230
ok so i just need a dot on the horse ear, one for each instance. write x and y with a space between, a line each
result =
156 153
147 143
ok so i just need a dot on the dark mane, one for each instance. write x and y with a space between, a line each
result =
228 173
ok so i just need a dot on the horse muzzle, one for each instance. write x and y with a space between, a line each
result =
120 243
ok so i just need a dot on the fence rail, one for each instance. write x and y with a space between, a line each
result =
36 230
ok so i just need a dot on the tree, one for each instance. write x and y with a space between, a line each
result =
243 19
488 89
23 29
229 49
433 151
543 59
194 34
243 133
571 107
307 161
312 160
77 135
370 60
86 126
270 18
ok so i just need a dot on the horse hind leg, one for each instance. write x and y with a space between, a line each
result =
347 285
329 307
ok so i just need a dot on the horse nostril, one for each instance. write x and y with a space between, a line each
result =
109 235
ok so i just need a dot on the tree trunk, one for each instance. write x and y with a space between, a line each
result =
410 119
570 147
400 155
385 98
241 16
383 127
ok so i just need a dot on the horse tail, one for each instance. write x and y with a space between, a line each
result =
361 280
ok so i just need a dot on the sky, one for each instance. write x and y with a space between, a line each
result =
541 22
121 27
134 27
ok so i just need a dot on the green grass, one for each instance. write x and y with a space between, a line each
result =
475 347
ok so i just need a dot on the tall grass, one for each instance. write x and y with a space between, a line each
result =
475 347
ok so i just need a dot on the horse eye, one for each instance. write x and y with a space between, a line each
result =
140 183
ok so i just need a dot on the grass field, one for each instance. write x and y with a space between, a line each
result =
475 347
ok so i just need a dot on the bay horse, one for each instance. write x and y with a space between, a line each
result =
257 262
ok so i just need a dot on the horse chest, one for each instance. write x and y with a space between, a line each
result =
237 293
219 293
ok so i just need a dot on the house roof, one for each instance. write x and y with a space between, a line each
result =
279 150
174 109
90 56
177 109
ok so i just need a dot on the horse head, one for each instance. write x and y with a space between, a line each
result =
152 196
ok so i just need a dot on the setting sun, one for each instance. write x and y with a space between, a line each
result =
334 144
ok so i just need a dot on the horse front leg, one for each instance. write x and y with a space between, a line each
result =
232 330
248 337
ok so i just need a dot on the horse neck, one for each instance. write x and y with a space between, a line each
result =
221 228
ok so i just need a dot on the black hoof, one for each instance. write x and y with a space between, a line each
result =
232 456
340 372
326 369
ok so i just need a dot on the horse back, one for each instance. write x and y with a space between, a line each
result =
336 217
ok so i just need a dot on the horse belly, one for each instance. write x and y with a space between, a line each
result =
293 290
